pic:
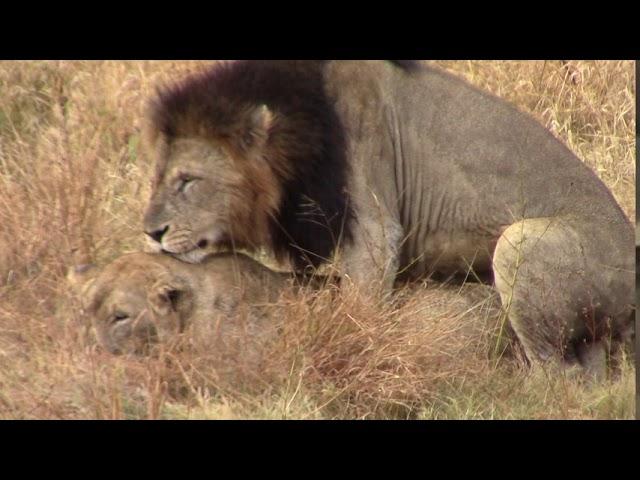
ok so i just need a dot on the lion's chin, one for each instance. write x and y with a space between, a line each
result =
193 256
200 252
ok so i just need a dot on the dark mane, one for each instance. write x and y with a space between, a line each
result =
306 147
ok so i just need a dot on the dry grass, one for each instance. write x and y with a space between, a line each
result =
69 135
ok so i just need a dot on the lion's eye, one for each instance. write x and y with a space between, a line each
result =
183 181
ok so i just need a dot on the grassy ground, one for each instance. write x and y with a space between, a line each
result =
69 150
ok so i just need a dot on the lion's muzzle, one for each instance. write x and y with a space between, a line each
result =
157 235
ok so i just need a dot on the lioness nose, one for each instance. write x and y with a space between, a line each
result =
158 234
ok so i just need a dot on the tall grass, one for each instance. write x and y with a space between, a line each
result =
73 181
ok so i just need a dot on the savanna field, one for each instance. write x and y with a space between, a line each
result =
74 179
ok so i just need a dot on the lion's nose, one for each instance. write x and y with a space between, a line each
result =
158 234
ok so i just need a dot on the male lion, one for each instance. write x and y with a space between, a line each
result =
409 171
142 298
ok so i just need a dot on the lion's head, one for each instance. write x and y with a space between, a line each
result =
247 155
210 193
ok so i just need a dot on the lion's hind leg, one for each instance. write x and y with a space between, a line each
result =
546 287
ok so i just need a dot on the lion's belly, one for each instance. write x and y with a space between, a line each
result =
448 253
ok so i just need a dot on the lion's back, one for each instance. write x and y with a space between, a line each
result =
454 165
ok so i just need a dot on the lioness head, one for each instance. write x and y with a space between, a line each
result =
133 302
141 299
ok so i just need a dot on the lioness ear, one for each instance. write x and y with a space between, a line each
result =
81 277
82 280
254 129
170 295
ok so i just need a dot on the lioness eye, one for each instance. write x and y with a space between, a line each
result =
118 317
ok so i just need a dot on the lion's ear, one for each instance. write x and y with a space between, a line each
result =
253 131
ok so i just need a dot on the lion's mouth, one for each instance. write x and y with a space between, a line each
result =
222 242
201 245
218 241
